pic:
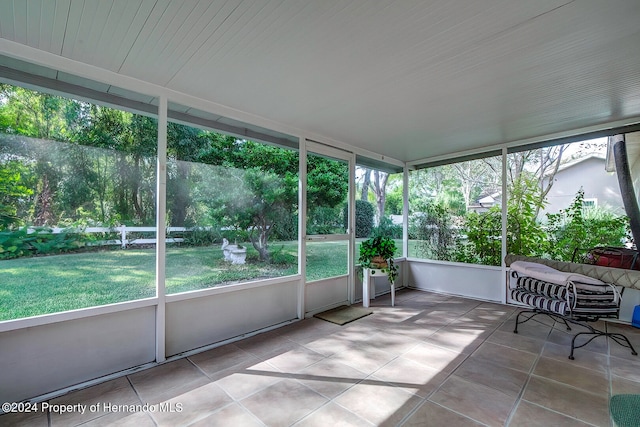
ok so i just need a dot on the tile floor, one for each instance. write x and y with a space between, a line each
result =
433 360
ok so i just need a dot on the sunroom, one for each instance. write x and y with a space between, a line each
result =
185 185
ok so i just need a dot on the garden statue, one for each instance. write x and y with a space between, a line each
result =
237 254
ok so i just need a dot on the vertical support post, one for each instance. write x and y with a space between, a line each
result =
351 262
161 205
405 225
302 226
505 196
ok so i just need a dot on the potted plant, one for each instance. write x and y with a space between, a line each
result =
377 253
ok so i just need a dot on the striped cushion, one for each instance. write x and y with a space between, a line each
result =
543 288
581 301
541 302
593 302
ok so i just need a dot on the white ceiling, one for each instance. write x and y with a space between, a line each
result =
409 79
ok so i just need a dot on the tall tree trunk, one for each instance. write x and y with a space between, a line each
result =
44 205
135 189
627 191
380 190
364 195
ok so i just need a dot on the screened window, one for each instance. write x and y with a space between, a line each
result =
232 210
455 211
378 205
563 201
77 204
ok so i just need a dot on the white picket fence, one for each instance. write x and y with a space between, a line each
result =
124 241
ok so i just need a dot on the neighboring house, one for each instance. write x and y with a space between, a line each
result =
601 188
485 202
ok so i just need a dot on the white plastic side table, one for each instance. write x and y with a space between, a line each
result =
368 285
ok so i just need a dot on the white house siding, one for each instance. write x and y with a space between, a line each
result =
594 180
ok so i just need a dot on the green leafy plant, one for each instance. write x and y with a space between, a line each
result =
383 247
575 228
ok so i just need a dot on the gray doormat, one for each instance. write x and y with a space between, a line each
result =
343 314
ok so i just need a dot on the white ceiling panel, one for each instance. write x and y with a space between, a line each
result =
409 79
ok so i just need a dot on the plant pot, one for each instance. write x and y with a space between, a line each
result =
379 262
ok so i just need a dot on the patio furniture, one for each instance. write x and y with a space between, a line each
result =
368 285
566 297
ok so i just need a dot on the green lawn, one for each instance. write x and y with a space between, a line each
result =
42 285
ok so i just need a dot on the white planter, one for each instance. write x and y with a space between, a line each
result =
234 253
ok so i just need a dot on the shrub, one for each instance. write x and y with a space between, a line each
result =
364 218
202 236
573 228
387 228
435 233
19 243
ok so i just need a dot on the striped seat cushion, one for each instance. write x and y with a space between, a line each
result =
541 287
593 302
581 301
541 302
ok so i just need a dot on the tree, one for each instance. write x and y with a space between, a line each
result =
12 190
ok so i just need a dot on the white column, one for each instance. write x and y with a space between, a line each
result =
161 208
302 226
504 223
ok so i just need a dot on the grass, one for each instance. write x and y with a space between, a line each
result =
51 284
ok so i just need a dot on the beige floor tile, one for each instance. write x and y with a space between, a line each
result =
120 419
411 376
365 358
295 359
476 401
307 330
266 344
167 381
598 345
244 382
378 403
232 415
460 355
283 403
573 402
190 406
436 357
115 392
431 415
25 419
517 341
416 330
621 385
330 377
535 328
620 351
506 356
391 343
505 380
334 416
529 415
629 369
222 358
329 345
465 339
391 315
435 317
569 373
583 358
